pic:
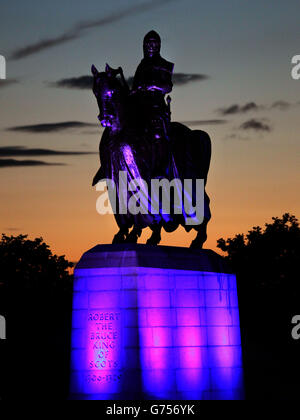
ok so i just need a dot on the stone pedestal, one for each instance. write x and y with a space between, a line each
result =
155 323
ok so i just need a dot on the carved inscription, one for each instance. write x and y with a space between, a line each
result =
104 343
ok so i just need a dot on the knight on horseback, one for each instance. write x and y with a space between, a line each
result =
140 140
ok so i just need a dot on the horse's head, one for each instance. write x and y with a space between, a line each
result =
110 97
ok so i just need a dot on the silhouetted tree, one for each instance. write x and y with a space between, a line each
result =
268 257
36 299
29 266
266 261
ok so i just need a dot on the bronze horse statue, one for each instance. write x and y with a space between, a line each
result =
128 144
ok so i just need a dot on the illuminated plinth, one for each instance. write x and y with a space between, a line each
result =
155 323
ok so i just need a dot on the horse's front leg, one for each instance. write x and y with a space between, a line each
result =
121 236
133 236
155 238
201 237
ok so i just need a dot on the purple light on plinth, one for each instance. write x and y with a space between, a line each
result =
170 334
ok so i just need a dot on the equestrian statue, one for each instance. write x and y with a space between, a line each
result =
140 140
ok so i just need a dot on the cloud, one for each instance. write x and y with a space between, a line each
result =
52 127
281 105
9 163
13 151
204 122
234 136
181 79
10 151
254 124
8 82
86 82
82 28
238 109
81 82
43 45
185 78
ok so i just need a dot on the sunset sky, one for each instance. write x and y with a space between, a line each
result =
232 79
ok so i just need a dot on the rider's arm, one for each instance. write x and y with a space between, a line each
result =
163 78
162 84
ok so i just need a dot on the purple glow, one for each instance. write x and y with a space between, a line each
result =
171 334
154 87
128 155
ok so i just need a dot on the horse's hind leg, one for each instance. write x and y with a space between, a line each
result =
133 236
121 236
201 237
155 238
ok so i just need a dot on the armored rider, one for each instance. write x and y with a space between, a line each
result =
152 81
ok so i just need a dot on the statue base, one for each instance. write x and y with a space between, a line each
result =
155 323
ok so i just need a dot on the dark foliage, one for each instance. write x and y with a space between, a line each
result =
268 257
266 262
36 298
29 265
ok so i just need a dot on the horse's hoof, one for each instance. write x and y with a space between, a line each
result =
133 236
131 239
154 240
120 237
196 244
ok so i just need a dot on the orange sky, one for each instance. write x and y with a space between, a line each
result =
59 203
254 174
